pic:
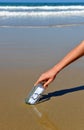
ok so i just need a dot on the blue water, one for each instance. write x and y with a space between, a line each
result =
41 14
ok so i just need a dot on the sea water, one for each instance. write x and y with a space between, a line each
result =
41 14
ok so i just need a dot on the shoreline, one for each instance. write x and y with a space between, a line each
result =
44 26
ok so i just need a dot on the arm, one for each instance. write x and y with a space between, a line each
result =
73 55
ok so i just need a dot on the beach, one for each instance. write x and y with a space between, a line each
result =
27 52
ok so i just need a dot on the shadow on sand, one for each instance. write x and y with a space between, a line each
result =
60 93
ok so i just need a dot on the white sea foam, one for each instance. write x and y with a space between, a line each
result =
41 7
44 15
41 14
19 11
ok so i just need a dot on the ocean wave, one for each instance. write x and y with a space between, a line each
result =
41 14
80 7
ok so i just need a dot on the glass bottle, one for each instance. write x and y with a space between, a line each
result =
35 94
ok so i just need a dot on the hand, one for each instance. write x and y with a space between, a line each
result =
47 77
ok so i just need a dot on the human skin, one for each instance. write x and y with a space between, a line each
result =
50 75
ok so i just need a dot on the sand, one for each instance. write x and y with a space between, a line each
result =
24 54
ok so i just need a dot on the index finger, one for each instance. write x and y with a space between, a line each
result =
40 80
37 82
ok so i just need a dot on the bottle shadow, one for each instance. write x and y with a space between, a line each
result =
48 96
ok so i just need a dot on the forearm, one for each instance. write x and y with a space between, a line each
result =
70 57
73 55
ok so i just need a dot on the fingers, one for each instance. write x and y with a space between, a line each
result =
47 82
37 82
46 78
40 80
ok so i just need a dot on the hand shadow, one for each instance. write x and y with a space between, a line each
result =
60 93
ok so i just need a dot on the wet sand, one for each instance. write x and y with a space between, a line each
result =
24 54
